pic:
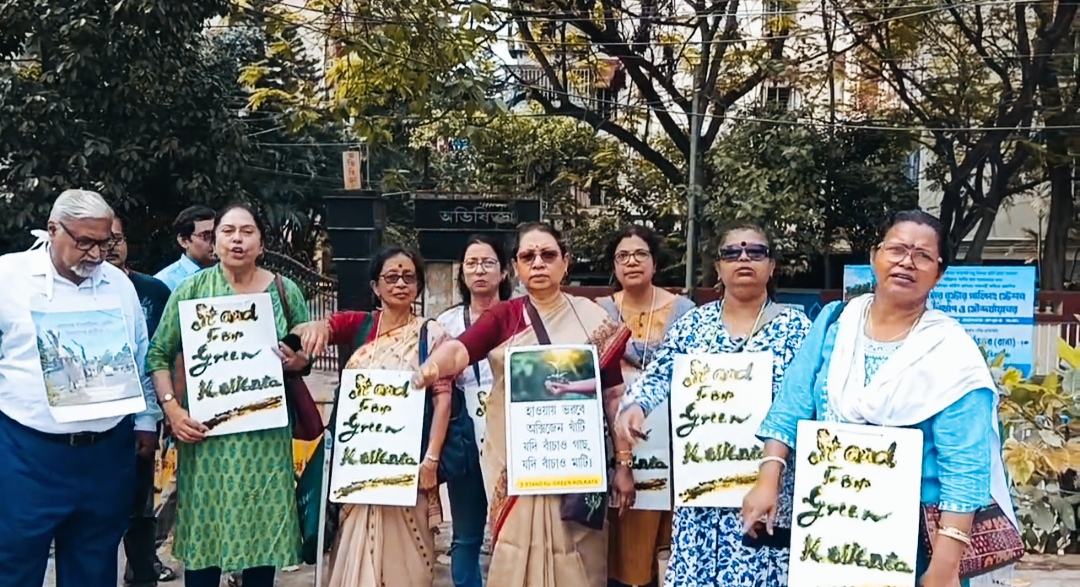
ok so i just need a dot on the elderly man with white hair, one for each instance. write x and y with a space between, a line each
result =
75 406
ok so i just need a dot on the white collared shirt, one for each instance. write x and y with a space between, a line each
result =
22 389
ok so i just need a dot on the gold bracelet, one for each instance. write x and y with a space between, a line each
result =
954 533
623 452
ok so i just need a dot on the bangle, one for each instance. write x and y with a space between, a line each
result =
431 458
773 459
623 452
955 534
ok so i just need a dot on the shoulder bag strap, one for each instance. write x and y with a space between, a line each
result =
280 283
537 324
466 314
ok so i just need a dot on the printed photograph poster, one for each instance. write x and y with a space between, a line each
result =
856 513
996 306
87 364
555 421
717 403
377 436
231 367
652 459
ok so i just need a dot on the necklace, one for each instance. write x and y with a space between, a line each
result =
753 328
648 326
904 334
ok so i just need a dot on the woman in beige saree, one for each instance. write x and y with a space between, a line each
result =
387 546
532 545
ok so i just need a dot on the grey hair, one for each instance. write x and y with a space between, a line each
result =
80 204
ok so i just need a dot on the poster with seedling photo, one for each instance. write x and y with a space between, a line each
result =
233 373
555 421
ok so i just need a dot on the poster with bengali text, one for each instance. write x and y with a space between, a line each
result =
652 458
555 421
232 370
856 505
717 403
996 305
377 436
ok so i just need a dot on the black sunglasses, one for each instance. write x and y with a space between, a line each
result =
548 256
753 252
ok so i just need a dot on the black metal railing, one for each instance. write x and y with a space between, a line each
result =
320 292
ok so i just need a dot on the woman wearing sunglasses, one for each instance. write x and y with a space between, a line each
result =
707 543
532 544
387 546
636 536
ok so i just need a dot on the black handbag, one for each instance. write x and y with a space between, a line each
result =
459 456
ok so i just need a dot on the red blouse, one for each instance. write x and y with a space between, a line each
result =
506 319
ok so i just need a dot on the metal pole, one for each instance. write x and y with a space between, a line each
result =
328 448
691 192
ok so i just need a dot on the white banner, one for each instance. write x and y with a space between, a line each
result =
717 403
234 377
554 421
652 459
377 437
856 505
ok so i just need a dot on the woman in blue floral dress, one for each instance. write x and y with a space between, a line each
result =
707 547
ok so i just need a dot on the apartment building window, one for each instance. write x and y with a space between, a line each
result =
778 98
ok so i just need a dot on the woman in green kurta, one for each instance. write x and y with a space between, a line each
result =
236 507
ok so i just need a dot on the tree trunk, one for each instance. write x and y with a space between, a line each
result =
1055 245
982 235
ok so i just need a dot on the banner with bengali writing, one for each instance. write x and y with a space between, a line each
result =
231 367
717 403
554 421
856 505
377 438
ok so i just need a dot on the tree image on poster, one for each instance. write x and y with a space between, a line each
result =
234 377
856 505
717 403
555 421
377 438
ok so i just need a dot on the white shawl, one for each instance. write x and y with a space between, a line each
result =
935 366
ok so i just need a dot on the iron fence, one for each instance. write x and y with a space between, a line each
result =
320 292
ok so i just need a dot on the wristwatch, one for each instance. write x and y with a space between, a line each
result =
168 398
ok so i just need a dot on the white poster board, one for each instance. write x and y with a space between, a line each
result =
856 505
717 403
87 366
554 421
652 459
234 377
377 436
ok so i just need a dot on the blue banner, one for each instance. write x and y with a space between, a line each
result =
996 305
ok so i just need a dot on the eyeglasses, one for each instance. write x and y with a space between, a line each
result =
393 278
206 236
548 256
754 252
118 239
474 264
921 258
640 255
88 244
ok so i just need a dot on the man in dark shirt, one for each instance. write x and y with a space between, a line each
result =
144 568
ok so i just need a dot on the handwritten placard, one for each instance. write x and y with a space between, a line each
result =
717 403
652 459
377 437
856 512
234 377
554 421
